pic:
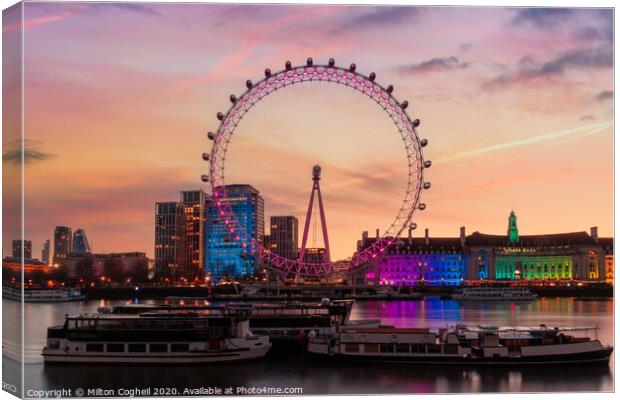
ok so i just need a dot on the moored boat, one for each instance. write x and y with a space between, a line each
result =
282 322
461 344
46 295
495 293
218 334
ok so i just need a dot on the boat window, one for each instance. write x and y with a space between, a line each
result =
402 348
371 348
54 344
217 332
158 347
179 324
352 347
94 347
179 347
151 325
386 348
136 348
115 347
450 349
110 324
83 323
433 348
417 348
202 324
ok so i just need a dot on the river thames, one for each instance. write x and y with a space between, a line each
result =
315 377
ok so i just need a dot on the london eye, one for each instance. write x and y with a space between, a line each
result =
383 96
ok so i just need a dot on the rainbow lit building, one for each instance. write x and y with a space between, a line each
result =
479 256
556 256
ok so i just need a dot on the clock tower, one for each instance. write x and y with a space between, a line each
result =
513 231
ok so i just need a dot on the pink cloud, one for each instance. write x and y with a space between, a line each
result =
38 21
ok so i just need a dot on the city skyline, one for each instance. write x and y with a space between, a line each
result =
516 104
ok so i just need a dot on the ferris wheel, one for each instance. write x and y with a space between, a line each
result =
330 73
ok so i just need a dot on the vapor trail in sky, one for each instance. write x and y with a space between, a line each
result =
582 131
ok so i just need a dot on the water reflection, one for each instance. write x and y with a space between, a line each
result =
329 378
321 377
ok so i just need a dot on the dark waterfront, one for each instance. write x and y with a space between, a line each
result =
328 378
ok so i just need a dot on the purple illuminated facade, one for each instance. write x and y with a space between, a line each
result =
416 261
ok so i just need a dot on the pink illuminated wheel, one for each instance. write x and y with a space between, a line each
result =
330 73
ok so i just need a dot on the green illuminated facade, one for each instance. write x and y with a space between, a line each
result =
553 256
532 267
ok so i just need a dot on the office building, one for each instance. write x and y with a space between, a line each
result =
17 248
314 255
227 256
194 204
283 238
169 240
80 243
112 267
62 244
45 252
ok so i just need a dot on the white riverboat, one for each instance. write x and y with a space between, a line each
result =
51 295
218 334
495 293
462 344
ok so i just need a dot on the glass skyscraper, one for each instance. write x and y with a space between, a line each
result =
80 242
226 257
62 243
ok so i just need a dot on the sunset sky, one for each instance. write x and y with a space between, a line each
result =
517 105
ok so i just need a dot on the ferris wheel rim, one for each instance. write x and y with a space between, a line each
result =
330 73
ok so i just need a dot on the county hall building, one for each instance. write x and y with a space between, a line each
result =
451 261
